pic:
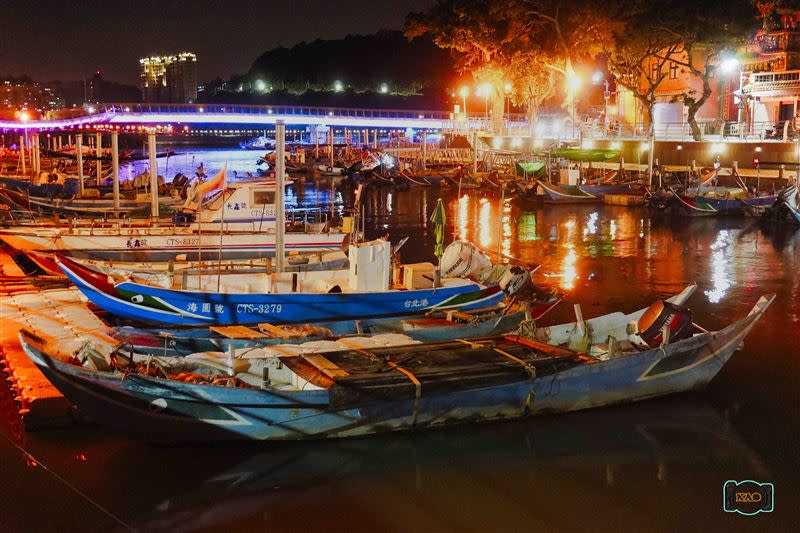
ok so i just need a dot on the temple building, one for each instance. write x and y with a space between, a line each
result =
771 76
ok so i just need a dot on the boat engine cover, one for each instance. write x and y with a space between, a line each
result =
649 326
463 259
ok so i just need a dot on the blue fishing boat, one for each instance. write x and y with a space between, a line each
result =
316 393
704 205
363 291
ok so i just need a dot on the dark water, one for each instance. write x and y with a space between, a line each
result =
651 466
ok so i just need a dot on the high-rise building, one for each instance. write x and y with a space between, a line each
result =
169 78
22 92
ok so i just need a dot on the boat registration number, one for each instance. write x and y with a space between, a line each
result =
259 308
184 242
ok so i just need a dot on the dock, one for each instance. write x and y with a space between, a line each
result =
59 314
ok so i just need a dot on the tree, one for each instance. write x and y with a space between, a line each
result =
708 35
571 32
482 32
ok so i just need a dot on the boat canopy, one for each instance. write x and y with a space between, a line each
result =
586 155
530 168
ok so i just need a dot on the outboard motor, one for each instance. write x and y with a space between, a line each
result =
648 331
463 259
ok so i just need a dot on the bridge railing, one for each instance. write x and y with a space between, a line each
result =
311 111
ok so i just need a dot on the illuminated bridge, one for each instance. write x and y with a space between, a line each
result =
263 115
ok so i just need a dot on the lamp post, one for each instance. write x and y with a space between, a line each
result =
598 78
464 92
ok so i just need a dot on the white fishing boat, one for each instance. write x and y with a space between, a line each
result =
236 222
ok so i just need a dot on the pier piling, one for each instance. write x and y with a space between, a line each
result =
280 171
151 147
115 170
79 154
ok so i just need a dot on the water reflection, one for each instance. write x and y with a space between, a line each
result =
627 450
719 275
485 223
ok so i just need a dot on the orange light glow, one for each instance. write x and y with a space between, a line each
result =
485 223
463 216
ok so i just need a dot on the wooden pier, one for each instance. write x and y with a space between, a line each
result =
58 314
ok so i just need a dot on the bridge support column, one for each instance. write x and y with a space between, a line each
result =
37 139
375 138
79 155
115 170
98 145
151 148
22 153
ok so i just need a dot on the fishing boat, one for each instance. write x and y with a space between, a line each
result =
244 213
566 194
727 203
35 263
786 206
431 327
363 291
392 383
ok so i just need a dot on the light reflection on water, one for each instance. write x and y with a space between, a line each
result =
719 275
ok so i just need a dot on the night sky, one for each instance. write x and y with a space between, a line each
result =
67 40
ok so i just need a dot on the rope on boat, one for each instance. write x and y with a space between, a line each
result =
395 366
527 328
417 386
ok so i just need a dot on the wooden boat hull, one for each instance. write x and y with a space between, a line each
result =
180 342
151 304
445 394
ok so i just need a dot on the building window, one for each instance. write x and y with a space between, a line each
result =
656 72
673 71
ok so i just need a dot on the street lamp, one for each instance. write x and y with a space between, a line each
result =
597 78
464 92
485 89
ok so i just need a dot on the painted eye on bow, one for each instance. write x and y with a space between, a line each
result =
137 299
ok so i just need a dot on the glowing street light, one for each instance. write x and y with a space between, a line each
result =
464 92
261 85
384 88
338 86
729 65
485 90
